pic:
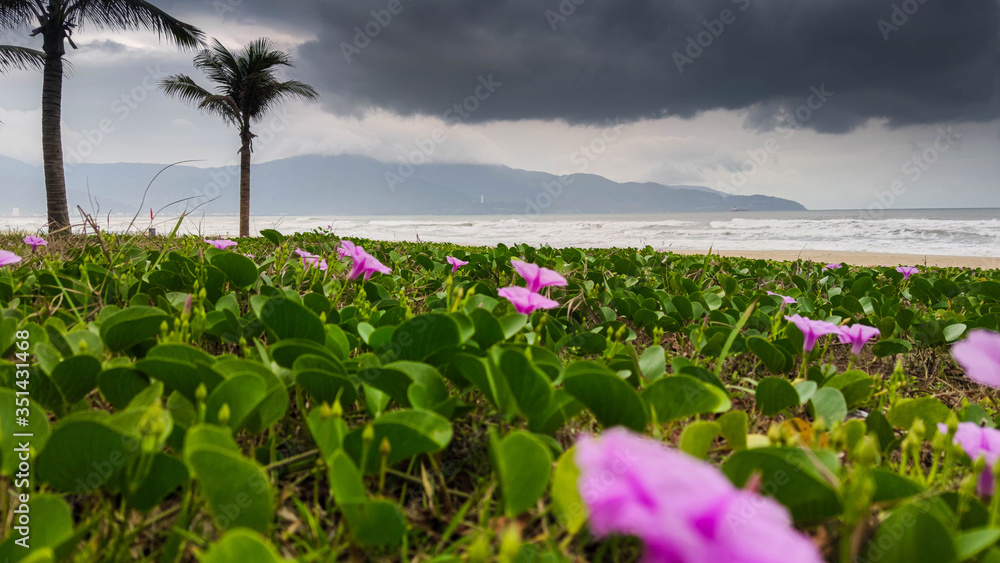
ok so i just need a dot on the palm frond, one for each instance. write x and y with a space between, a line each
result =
16 13
135 14
20 58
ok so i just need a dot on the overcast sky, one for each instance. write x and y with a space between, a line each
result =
833 103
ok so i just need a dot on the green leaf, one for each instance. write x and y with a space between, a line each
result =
929 409
973 542
273 236
126 328
242 394
76 376
791 477
828 404
679 396
954 332
531 389
51 524
697 437
524 465
421 337
236 489
242 545
410 433
770 355
653 362
891 347
179 375
733 426
119 386
891 486
613 401
346 483
166 475
327 431
911 535
81 455
566 501
327 387
38 426
856 386
376 523
775 395
240 270
287 319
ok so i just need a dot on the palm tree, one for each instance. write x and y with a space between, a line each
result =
247 89
20 58
56 20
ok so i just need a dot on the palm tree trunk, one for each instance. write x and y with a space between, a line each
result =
52 152
245 186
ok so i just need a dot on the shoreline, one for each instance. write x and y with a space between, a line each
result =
859 258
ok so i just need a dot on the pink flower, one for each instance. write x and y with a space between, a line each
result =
787 300
525 300
857 335
537 277
222 243
684 510
35 242
907 271
833 266
812 330
7 258
309 259
979 356
363 263
456 263
978 441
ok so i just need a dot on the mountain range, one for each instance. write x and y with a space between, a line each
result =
356 185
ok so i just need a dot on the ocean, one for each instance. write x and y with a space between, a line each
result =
956 232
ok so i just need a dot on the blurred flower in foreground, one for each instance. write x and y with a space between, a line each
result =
979 356
7 258
812 330
34 242
309 259
684 510
977 441
857 335
536 277
785 298
525 300
222 243
456 263
907 271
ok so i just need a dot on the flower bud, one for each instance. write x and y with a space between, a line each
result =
224 414
368 434
200 393
385 447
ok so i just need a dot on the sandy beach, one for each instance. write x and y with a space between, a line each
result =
862 258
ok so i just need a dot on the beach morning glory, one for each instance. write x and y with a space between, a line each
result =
812 330
857 335
456 263
7 258
34 242
309 259
833 266
907 271
979 356
525 300
363 263
785 298
221 243
684 510
537 277
978 441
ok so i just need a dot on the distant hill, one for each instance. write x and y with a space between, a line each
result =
355 185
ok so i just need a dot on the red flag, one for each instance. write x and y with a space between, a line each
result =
150 213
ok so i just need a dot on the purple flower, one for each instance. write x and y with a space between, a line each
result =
979 356
7 258
525 300
833 266
309 259
222 243
907 271
812 330
537 277
857 335
684 510
35 242
977 441
785 298
363 263
456 263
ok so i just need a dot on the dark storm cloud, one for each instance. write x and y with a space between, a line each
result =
584 61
